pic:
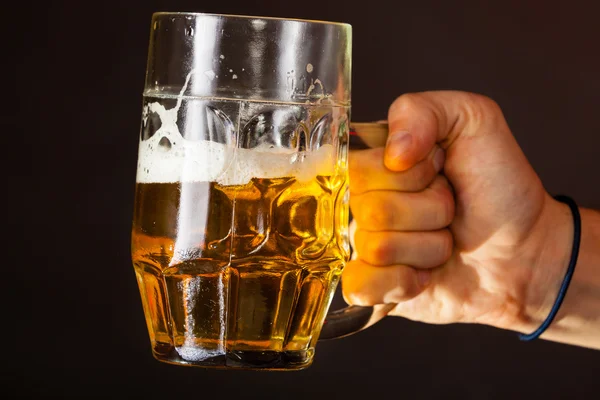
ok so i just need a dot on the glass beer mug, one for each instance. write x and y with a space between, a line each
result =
240 230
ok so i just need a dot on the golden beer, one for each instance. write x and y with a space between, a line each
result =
239 275
240 229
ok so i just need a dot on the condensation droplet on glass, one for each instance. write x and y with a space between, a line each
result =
234 76
230 70
309 68
189 31
222 57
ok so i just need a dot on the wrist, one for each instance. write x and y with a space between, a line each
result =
546 259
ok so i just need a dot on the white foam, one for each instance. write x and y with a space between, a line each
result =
205 161
167 157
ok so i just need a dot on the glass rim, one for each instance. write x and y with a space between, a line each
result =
280 19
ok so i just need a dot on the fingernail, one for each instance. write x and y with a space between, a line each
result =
399 144
438 159
423 276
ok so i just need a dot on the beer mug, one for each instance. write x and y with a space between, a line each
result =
240 230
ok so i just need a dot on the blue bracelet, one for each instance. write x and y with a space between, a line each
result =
565 284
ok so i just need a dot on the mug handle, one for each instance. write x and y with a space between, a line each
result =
352 319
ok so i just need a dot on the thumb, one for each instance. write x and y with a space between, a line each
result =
418 121
487 169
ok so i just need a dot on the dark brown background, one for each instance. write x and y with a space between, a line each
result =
74 323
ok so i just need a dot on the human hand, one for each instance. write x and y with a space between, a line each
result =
451 222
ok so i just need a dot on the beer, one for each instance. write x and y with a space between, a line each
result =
237 262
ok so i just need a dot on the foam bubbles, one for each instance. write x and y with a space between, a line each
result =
205 161
185 161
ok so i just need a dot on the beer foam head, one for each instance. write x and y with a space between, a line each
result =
163 160
167 157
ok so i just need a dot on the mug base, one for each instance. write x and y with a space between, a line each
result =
236 359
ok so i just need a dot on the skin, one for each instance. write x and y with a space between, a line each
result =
452 224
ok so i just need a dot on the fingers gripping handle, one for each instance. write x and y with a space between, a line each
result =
352 319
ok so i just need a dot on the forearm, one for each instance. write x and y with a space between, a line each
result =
578 320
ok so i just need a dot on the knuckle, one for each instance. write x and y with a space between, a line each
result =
404 103
379 249
481 108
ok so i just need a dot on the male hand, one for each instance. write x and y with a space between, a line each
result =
452 222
